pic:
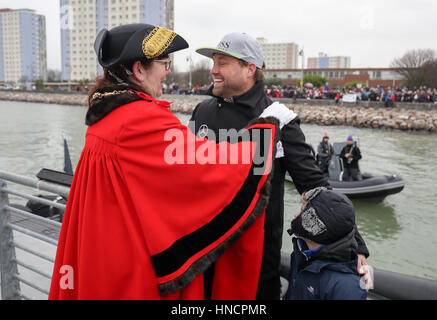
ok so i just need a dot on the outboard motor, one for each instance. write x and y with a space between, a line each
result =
44 210
335 168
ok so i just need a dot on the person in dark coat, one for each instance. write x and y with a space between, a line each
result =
324 154
323 263
351 154
238 96
132 236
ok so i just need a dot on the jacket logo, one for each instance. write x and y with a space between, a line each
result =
279 150
203 131
311 290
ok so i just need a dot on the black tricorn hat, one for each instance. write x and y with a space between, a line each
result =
132 42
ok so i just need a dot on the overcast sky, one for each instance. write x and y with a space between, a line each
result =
371 32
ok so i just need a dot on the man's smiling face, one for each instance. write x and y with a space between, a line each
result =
230 76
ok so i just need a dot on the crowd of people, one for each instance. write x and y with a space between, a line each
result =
387 95
175 88
189 227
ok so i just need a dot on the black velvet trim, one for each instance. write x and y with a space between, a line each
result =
183 249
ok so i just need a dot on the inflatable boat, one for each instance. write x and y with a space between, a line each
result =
372 188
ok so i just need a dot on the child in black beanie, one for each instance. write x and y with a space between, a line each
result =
324 260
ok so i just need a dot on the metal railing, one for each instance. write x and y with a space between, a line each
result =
28 241
28 245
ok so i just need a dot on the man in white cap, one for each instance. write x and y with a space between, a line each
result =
238 97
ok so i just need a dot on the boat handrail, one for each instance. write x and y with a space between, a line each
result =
15 225
388 285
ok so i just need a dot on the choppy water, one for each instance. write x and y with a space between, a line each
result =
401 232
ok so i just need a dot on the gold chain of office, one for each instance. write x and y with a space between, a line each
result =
99 95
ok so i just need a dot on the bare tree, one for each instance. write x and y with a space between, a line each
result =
431 68
24 79
176 77
201 74
418 67
53 75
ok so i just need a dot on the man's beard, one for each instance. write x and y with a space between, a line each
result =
226 90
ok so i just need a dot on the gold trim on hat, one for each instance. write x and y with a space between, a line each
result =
157 41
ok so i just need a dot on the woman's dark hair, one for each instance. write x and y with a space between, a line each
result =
117 75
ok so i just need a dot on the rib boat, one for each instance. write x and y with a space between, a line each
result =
370 187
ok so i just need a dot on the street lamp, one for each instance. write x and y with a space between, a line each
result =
301 53
190 61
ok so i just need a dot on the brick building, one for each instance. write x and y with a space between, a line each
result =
371 77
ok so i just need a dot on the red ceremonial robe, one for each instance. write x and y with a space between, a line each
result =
138 226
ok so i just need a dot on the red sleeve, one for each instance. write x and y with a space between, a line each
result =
138 225
193 210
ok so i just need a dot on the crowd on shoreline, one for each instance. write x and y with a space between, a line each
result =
387 95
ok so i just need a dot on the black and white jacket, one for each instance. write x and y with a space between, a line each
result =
296 159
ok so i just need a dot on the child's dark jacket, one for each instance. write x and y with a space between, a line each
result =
327 273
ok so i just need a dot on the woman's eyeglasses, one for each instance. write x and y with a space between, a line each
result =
167 63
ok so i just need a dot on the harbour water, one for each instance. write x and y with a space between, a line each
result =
400 232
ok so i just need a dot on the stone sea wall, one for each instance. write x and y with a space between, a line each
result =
379 118
368 117
43 97
414 119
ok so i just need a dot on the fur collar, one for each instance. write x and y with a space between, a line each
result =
107 99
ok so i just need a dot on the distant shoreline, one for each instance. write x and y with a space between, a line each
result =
417 117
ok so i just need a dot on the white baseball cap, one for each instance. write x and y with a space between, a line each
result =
237 45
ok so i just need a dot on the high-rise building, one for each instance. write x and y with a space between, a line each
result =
23 53
279 55
325 62
81 20
169 14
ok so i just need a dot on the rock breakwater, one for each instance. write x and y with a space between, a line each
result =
377 118
40 97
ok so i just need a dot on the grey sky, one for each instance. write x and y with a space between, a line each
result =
372 32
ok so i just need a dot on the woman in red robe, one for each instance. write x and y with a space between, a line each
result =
146 214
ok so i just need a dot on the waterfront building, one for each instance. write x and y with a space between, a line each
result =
370 77
323 61
81 20
23 52
279 55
